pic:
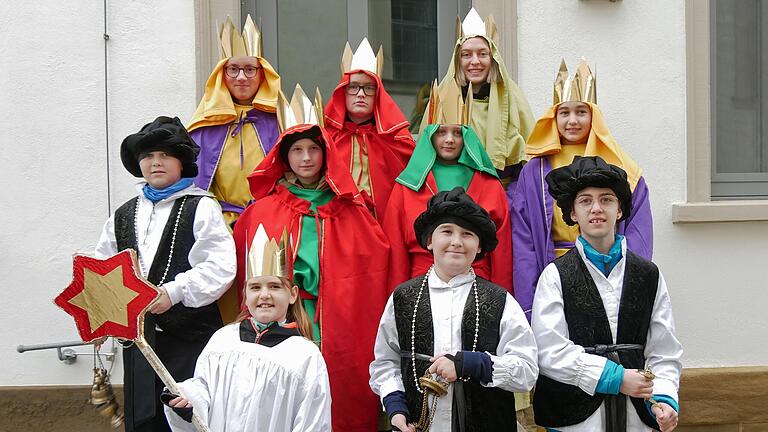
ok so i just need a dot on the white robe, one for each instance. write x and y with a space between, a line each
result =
514 366
566 362
243 386
212 256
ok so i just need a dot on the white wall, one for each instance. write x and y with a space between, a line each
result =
53 152
716 271
53 170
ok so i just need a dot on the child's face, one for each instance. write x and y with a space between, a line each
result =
160 169
268 299
242 88
454 248
574 121
360 104
448 142
476 60
596 210
306 160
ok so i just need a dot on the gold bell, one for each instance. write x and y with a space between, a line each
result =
101 394
117 420
427 383
107 409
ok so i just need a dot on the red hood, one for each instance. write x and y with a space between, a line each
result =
266 175
389 118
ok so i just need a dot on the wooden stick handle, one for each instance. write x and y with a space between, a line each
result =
166 377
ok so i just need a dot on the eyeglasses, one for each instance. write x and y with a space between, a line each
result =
234 71
353 89
607 201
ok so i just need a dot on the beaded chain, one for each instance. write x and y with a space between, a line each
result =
413 324
173 237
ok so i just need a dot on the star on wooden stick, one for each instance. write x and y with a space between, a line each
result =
107 297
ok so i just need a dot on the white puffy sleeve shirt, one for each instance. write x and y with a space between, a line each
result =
566 362
212 256
247 387
514 365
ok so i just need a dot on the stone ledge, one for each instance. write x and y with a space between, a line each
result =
727 395
51 408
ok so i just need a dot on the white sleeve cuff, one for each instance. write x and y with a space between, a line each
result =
663 386
392 384
175 292
589 370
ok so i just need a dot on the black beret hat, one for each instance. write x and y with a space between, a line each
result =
164 134
591 171
455 206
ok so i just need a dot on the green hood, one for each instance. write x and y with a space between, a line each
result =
473 155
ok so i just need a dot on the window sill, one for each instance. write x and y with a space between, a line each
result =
720 211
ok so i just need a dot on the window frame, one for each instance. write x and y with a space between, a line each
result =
699 206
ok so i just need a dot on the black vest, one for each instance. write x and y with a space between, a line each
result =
191 327
486 408
556 404
186 323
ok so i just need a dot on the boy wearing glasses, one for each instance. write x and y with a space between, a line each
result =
608 356
235 123
368 130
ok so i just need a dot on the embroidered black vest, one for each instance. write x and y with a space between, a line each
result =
557 404
486 408
186 323
193 326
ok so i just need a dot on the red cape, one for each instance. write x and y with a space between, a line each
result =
353 273
407 259
388 141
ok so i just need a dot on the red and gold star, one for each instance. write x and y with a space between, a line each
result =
107 297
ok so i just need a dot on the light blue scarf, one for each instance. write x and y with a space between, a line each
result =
156 195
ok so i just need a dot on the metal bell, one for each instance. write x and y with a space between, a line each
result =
117 420
107 409
101 394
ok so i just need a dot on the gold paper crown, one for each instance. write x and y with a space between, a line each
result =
473 25
266 256
232 43
448 106
581 87
300 110
363 58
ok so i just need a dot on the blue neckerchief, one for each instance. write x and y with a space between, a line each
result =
604 262
261 327
156 195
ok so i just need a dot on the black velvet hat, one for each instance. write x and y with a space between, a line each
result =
455 206
164 134
592 171
312 133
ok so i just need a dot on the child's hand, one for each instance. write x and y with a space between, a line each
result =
666 416
179 402
636 385
398 421
444 367
162 304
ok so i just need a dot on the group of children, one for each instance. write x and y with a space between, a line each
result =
291 223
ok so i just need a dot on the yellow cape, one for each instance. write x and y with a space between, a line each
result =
217 107
545 140
509 119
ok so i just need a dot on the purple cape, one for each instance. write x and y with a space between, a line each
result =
531 213
211 141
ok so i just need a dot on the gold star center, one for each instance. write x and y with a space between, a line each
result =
105 298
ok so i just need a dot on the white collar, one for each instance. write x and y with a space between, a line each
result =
457 281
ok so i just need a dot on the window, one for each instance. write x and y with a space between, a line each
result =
304 41
739 92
